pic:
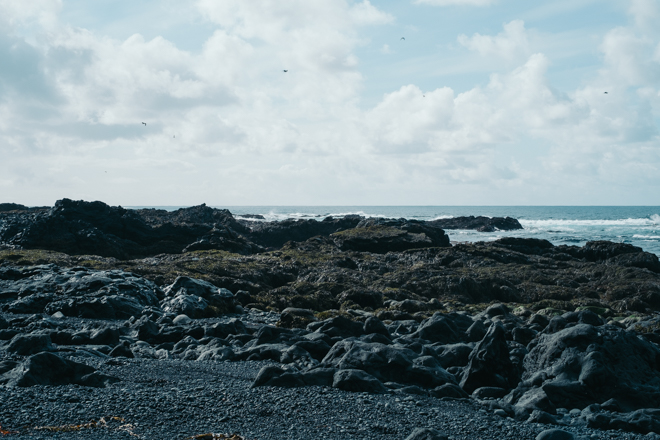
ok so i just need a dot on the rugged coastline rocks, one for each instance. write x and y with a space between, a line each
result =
77 291
79 227
522 329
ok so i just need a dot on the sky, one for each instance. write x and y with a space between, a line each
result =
330 102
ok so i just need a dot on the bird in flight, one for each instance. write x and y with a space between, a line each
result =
403 38
606 93
145 123
285 71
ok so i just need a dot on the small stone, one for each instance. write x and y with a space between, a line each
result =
555 434
427 434
500 412
182 319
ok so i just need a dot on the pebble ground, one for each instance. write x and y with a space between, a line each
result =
174 399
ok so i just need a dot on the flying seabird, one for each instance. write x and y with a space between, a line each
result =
145 123
285 71
403 38
606 93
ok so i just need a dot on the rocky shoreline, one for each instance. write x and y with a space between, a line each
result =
368 328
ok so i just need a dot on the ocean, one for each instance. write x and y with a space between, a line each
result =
570 225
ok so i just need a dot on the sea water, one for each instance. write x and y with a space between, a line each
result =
571 225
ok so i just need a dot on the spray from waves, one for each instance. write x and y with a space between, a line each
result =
651 221
280 216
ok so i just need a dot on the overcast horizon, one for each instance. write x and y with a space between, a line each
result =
330 102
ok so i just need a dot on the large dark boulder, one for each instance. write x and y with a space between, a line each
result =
25 345
357 380
275 234
489 364
387 363
390 235
51 369
197 298
480 223
80 227
445 328
584 364
78 292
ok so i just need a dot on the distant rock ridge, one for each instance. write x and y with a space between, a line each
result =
81 227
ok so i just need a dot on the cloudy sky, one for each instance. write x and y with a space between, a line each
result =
384 102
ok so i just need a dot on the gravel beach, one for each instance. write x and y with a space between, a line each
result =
174 399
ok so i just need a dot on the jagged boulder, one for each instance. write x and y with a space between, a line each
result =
79 292
50 369
390 235
584 364
489 364
387 363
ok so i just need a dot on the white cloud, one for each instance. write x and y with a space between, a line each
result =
454 2
630 59
225 124
18 13
510 44
646 14
366 14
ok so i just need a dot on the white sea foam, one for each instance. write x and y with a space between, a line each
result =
654 220
646 237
